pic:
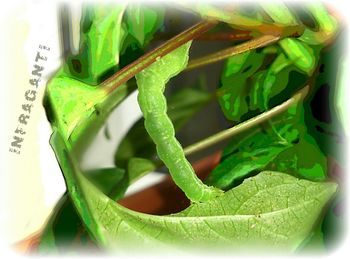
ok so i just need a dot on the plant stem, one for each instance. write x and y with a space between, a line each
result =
137 66
242 22
226 36
255 43
233 35
265 116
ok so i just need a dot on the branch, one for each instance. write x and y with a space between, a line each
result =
226 36
255 43
233 35
228 133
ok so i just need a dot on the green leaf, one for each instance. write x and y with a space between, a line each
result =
304 159
254 213
282 145
252 153
71 101
236 18
142 22
298 52
303 57
101 38
182 106
234 87
255 81
256 149
280 13
79 109
323 121
276 78
65 231
314 243
328 26
111 181
334 222
137 167
136 143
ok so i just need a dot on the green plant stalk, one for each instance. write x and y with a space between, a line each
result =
255 43
226 134
234 35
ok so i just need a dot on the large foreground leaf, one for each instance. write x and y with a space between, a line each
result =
271 209
64 230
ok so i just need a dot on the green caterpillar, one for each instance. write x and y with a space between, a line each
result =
151 84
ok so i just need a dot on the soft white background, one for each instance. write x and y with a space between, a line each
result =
31 183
